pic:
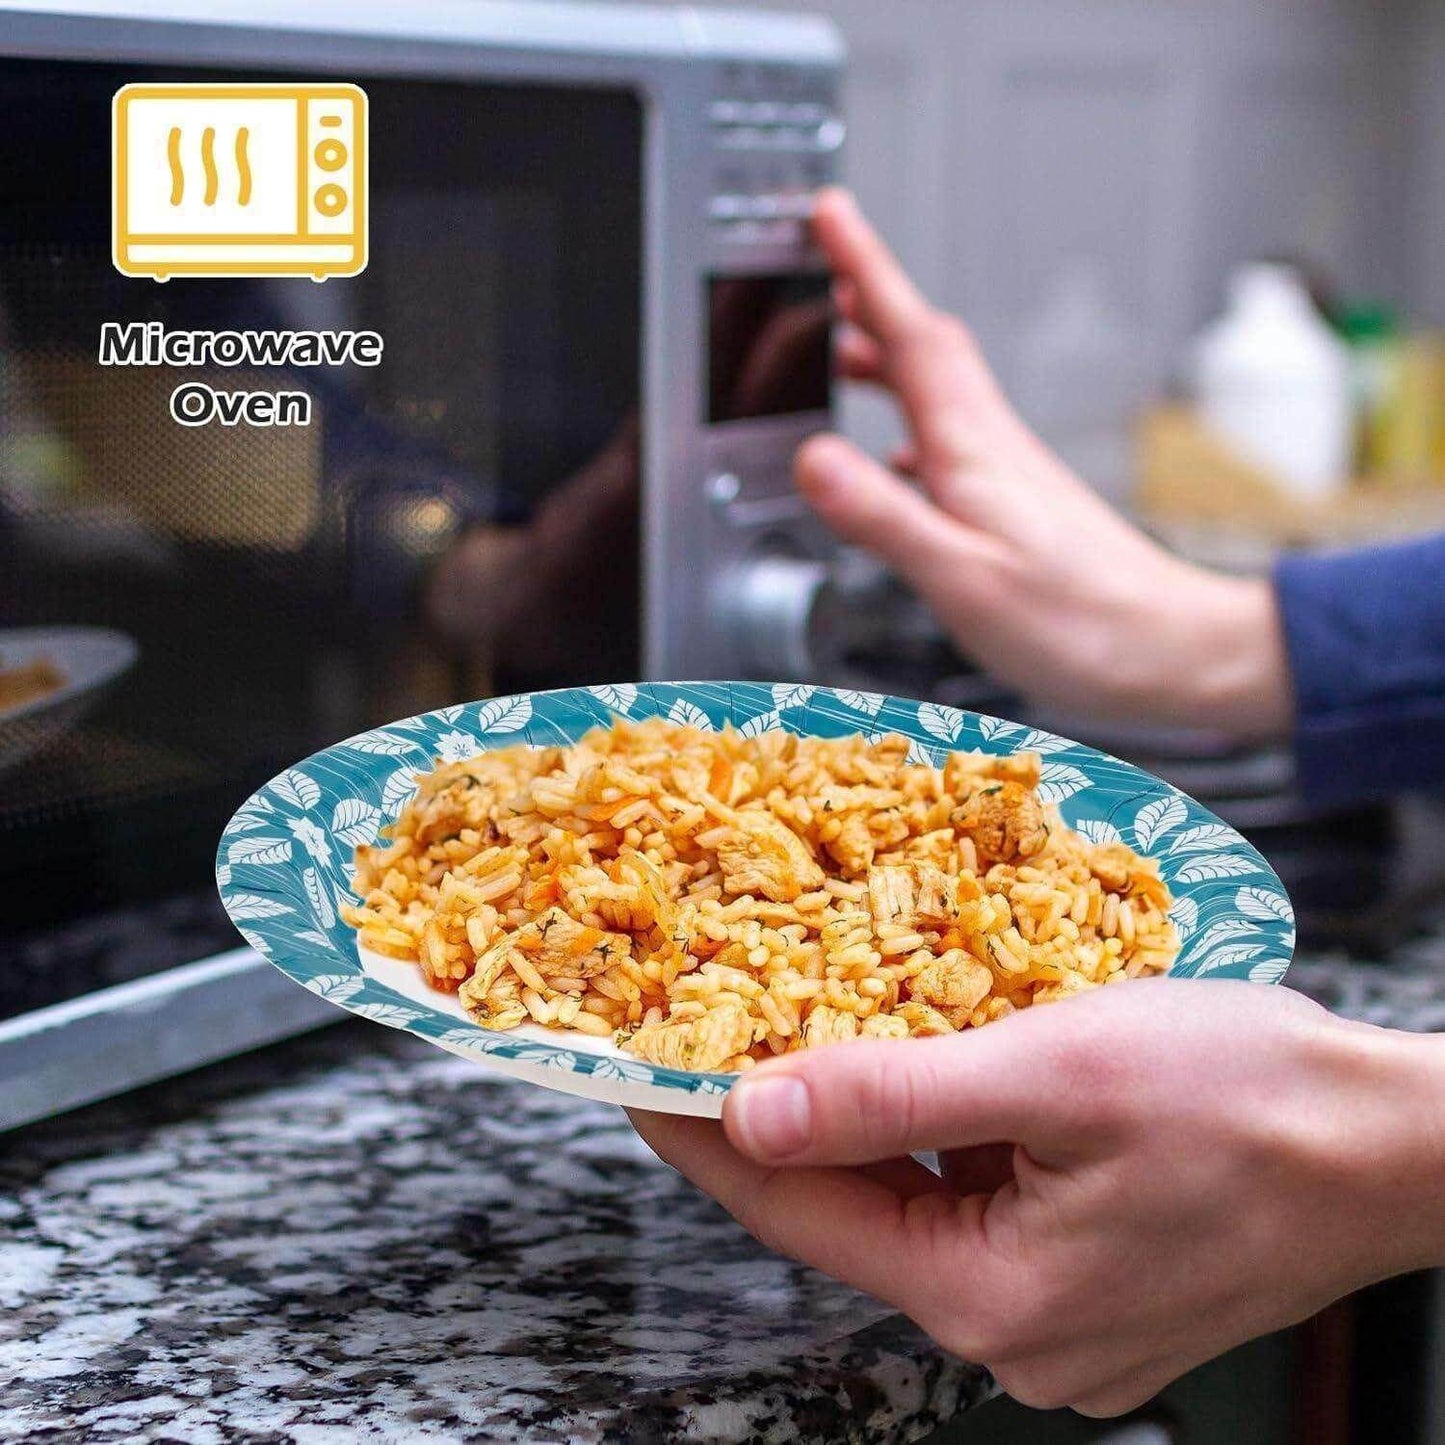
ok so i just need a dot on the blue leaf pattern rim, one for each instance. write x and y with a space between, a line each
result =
284 861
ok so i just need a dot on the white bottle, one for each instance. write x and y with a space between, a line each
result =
1272 379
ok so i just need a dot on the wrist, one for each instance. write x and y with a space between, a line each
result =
1385 1151
1419 1071
1233 657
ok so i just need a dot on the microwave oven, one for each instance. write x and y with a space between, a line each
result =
599 332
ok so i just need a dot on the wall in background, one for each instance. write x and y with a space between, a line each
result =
1420 64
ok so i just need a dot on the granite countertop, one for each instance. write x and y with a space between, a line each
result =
356 1237
1406 993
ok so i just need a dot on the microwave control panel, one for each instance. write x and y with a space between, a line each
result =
776 136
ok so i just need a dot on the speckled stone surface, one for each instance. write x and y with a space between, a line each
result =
356 1237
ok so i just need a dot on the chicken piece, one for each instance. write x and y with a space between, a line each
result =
854 846
954 981
963 772
492 995
554 943
702 1043
502 1008
892 894
1121 870
647 903
1006 822
884 1026
488 968
922 1020
891 750
826 1025
1110 864
940 895
916 894
470 793
763 856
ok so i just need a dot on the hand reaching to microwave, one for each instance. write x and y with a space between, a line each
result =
1132 1182
509 595
1029 571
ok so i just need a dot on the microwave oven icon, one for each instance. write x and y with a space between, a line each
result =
239 180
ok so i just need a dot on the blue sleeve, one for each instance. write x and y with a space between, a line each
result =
1365 634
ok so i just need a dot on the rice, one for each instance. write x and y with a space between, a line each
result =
710 899
26 681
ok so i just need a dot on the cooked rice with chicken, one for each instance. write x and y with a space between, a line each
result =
710 899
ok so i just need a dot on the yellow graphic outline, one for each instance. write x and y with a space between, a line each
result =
354 243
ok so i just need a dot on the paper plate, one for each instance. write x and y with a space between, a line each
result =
285 860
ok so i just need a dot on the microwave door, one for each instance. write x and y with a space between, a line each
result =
208 181
460 520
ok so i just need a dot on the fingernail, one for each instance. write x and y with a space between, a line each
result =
773 1115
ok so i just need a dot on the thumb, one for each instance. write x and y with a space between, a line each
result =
867 504
1016 1081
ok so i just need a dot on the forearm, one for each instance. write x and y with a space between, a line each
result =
1055 594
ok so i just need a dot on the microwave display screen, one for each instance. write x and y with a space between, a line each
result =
769 345
186 610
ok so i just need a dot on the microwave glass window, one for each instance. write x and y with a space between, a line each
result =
769 345
458 520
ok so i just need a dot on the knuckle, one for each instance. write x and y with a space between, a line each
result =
973 1329
957 1330
952 332
893 1110
752 1211
1095 1069
937 334
991 1316
866 1110
919 325
1109 1404
1034 1385
972 1339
